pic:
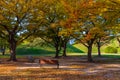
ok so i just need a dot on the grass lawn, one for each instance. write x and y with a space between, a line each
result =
77 49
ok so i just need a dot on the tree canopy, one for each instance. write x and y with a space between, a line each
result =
58 21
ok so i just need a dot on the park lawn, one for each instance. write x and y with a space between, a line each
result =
76 49
106 55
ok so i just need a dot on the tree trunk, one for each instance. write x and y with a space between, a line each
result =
12 52
57 51
90 53
13 46
64 49
3 52
99 51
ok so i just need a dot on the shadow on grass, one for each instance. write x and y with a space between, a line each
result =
33 51
44 51
108 56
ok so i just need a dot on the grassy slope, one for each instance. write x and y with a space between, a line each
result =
71 49
94 50
77 49
113 43
44 50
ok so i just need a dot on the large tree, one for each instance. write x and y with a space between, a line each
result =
85 15
110 22
49 30
80 22
16 21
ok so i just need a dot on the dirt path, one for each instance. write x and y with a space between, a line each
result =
71 68
77 64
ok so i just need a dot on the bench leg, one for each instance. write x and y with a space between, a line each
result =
40 65
57 66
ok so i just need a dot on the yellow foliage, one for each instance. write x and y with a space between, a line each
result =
53 25
94 32
104 10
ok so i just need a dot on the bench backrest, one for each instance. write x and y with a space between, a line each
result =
48 61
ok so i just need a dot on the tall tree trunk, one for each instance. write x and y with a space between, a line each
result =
57 51
90 43
99 51
3 53
12 52
64 49
13 46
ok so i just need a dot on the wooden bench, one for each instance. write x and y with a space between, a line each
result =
49 61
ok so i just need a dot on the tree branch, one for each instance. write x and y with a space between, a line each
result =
5 27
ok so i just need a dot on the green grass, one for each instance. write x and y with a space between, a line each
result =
25 50
111 55
4 56
84 49
33 51
44 50
113 43
77 49
73 49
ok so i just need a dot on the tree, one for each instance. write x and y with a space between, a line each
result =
90 30
115 18
103 40
16 21
50 29
110 14
105 35
88 37
81 13
64 45
66 32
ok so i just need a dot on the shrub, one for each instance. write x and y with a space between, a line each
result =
110 49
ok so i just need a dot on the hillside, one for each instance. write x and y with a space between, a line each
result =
71 49
44 50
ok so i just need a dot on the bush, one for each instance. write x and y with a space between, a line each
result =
110 49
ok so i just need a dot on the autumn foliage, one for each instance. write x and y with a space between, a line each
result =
58 21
